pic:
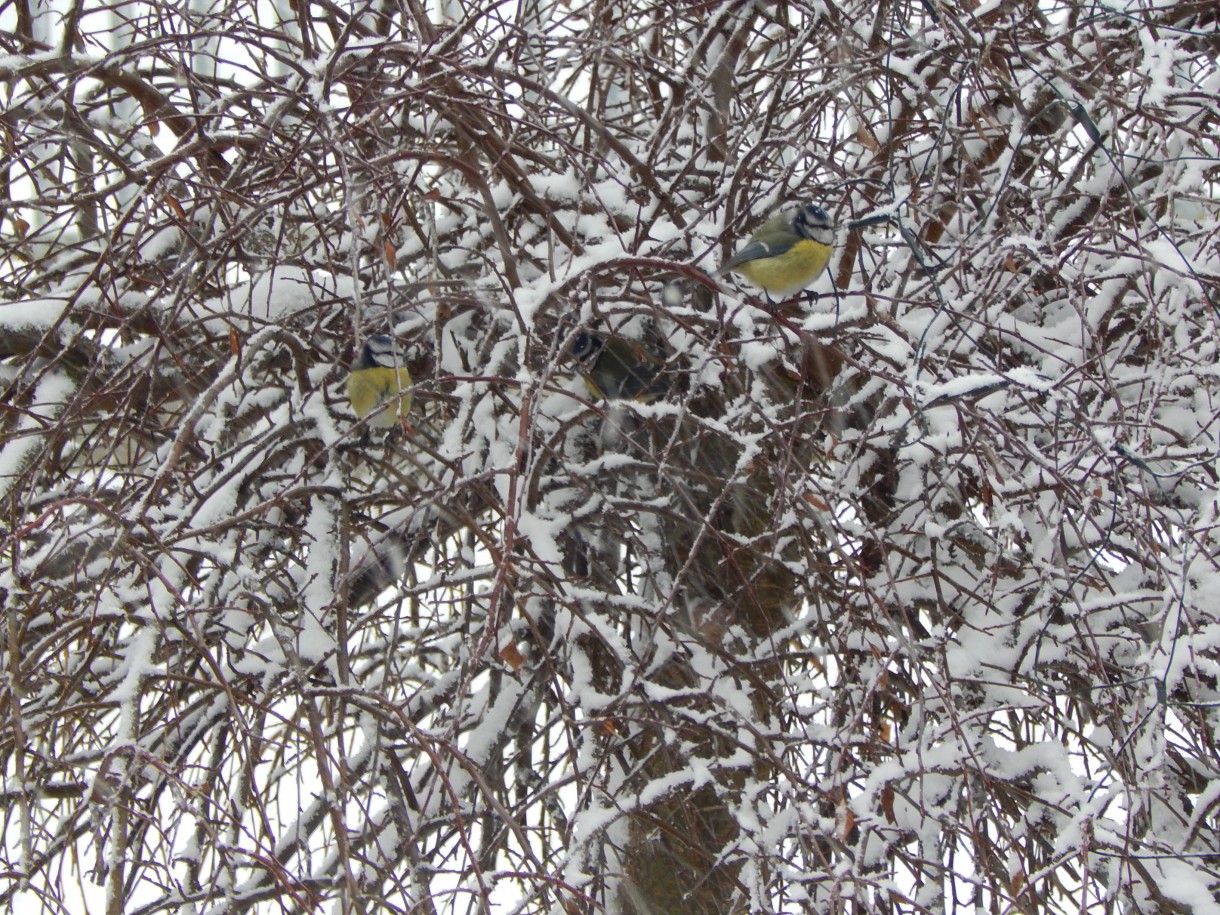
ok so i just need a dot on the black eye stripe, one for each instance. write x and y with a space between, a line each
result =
585 346
811 218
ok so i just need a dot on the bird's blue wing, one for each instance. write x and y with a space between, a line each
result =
756 250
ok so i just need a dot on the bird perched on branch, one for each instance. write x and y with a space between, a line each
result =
787 253
615 368
379 382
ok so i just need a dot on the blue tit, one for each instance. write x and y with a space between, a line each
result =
377 381
615 368
787 253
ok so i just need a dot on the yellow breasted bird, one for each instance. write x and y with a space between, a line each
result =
377 381
615 368
787 253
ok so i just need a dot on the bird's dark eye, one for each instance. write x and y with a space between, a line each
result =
379 350
584 345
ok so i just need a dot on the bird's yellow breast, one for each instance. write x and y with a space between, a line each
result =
369 389
789 272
